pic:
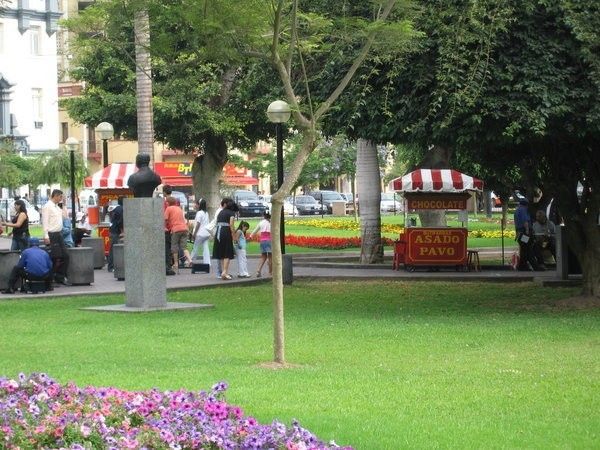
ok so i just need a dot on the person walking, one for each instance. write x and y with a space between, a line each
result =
212 226
52 224
34 264
240 249
524 237
20 225
167 191
201 234
264 230
223 246
176 223
115 231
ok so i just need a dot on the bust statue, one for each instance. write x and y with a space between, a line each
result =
145 180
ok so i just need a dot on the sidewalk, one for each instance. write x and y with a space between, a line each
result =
308 266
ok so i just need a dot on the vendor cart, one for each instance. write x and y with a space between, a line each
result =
433 189
110 183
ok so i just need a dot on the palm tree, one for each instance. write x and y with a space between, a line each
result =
143 76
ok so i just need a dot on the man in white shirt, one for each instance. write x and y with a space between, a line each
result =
52 223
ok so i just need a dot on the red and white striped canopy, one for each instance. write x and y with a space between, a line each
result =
113 176
436 180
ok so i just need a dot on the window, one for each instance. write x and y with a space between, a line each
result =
37 107
64 131
36 36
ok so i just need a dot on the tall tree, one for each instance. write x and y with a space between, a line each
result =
301 32
196 78
143 82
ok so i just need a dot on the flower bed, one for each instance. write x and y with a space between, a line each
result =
352 225
328 243
37 412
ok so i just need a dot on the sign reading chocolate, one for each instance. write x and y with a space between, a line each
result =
437 201
436 245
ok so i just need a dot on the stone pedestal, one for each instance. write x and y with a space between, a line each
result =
81 265
119 261
97 244
145 272
8 260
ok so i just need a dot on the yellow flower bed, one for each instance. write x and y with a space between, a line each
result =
352 225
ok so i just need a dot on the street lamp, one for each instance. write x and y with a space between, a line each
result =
72 144
279 112
106 132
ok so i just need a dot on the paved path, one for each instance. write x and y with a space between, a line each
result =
105 283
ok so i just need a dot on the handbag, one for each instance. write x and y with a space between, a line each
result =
204 233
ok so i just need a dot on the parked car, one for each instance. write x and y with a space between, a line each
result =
307 205
249 203
390 203
288 208
348 196
7 209
327 198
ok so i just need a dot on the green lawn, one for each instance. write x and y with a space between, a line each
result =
380 365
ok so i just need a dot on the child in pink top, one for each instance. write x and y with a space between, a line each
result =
264 228
177 225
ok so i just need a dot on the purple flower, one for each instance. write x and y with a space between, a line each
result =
36 405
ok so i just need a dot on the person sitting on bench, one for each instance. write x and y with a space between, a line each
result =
34 265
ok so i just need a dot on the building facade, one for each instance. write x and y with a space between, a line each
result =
28 77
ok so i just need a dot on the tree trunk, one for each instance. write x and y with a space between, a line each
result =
437 157
143 75
584 241
590 265
308 145
369 194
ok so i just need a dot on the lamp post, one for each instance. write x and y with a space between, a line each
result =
106 132
279 112
72 144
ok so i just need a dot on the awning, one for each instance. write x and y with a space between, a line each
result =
113 176
172 173
436 180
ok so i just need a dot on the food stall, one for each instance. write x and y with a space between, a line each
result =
433 189
110 183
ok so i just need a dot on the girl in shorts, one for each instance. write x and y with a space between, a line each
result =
263 229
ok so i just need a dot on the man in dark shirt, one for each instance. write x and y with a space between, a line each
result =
116 230
34 264
524 237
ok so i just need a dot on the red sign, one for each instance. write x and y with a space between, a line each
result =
436 246
173 169
106 195
104 233
437 201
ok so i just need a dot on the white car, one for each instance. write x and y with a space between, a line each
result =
390 202
288 208
7 209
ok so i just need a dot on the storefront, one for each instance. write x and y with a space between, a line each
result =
433 189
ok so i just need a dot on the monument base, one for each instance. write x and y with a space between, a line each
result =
169 306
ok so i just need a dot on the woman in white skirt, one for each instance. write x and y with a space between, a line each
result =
201 234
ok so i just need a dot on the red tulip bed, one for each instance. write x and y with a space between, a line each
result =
36 412
327 242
